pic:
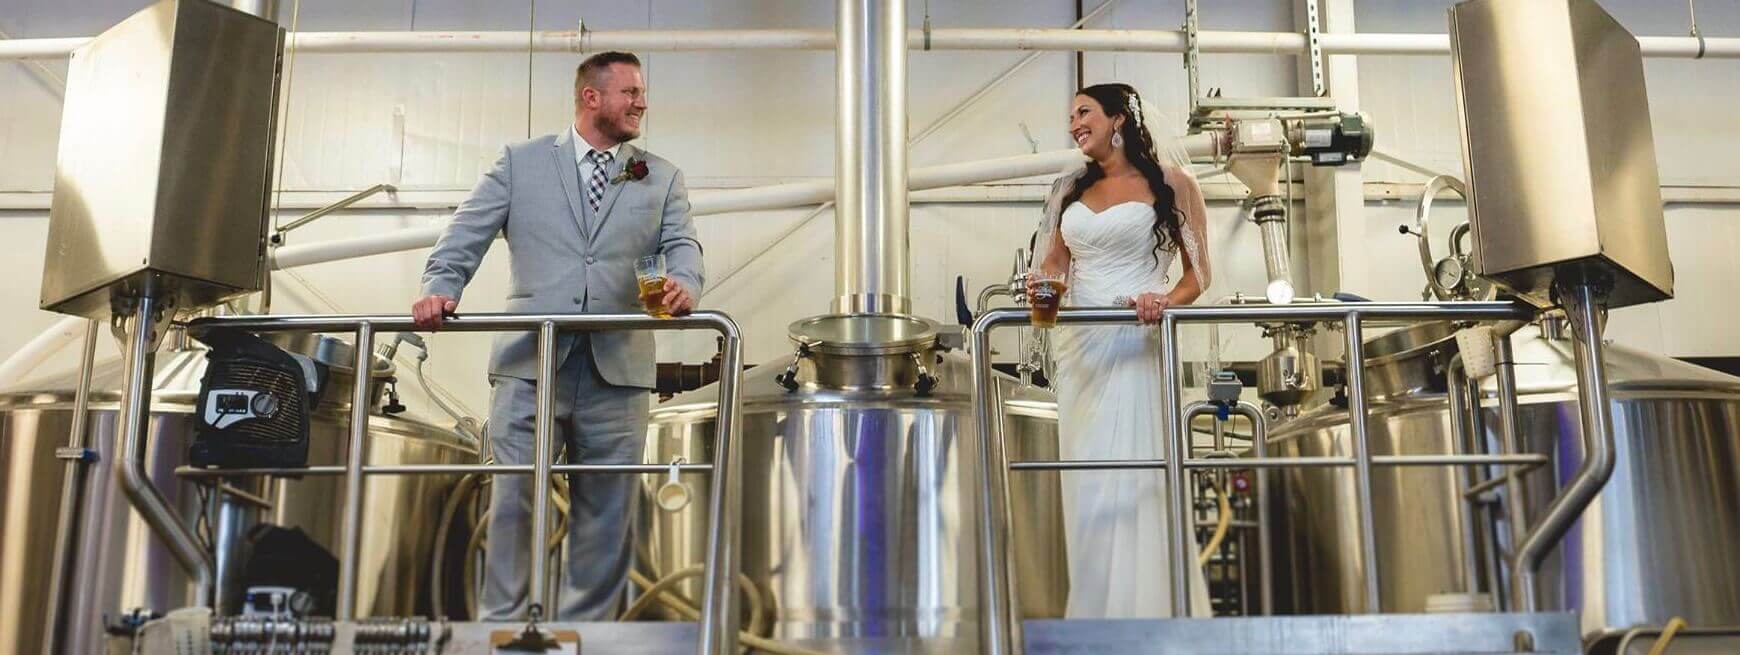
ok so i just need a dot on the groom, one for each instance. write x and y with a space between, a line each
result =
578 209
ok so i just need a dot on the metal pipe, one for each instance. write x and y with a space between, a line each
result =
1000 630
1358 415
1456 393
267 9
1584 305
719 617
1054 39
445 469
1516 516
1176 426
709 320
355 459
871 229
543 434
1296 312
1259 443
322 212
71 495
1528 461
135 422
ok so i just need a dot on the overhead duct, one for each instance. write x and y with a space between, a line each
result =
871 230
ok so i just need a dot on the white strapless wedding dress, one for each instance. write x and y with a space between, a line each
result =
1108 400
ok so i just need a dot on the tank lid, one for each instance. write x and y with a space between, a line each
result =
864 334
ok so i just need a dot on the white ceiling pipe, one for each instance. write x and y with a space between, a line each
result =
1059 39
778 196
64 331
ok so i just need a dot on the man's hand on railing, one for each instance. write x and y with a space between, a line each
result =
430 311
678 301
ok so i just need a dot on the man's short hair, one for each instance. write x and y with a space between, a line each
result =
591 71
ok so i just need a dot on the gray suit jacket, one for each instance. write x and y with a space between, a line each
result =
559 263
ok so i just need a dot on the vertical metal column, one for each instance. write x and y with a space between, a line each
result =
1177 431
871 228
1584 303
719 610
356 458
1515 495
999 629
71 495
1358 414
1260 443
543 433
135 422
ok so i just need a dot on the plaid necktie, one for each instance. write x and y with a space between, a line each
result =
595 182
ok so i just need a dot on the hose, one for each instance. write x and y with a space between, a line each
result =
656 593
1222 522
437 563
1667 636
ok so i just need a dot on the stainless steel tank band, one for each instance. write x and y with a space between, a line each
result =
718 618
1000 630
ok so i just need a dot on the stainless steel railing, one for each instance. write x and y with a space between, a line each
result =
1000 627
719 607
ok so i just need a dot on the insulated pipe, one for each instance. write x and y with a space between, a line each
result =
776 196
135 423
40 348
1054 39
1585 305
871 227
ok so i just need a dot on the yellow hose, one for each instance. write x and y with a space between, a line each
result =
1221 524
1667 635
657 592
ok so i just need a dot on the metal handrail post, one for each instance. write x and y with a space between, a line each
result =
1259 443
725 534
71 495
1515 494
1358 415
999 628
1462 435
543 433
1176 428
1583 305
353 471
135 425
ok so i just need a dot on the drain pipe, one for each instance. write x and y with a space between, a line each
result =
139 349
1585 303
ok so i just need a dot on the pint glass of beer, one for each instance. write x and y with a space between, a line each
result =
649 273
1045 294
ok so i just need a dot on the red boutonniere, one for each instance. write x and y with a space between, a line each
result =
635 169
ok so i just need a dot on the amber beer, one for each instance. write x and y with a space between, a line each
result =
649 273
1045 296
652 296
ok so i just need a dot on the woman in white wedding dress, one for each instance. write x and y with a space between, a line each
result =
1113 228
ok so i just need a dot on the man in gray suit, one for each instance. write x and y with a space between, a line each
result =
578 210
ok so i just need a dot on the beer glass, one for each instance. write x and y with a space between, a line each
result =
1044 295
649 273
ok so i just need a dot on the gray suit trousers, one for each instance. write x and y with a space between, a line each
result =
598 423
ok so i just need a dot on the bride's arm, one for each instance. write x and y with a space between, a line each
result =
1194 251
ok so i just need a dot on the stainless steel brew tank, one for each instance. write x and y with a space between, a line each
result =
123 565
1657 542
858 500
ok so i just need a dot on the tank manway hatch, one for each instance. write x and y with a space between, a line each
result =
165 162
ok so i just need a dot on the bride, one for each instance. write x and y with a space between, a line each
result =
1112 228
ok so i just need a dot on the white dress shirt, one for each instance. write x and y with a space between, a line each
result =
584 161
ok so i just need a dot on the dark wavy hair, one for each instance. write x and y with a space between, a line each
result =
1120 100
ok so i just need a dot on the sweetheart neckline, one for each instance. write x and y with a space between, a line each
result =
1112 206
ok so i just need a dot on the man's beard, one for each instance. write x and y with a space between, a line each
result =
618 131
